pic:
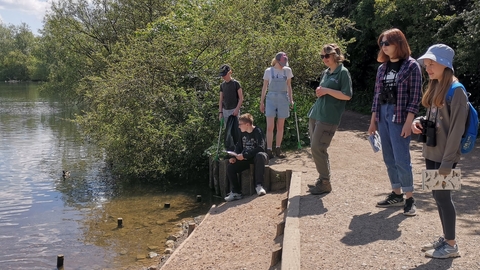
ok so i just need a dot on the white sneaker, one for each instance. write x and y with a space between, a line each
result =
232 196
260 190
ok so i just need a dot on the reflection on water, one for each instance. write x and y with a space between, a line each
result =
43 215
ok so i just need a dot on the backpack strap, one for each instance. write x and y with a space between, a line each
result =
454 86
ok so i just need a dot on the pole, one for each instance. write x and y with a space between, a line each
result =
219 136
296 124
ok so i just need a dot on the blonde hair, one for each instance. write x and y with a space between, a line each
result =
246 118
437 90
333 49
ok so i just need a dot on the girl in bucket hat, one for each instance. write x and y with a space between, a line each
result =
398 89
449 120
277 80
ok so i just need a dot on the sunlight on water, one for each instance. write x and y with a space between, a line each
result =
43 215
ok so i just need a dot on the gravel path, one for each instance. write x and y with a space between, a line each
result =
343 229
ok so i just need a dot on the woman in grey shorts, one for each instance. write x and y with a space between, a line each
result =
277 80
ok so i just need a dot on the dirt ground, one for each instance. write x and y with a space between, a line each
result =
343 229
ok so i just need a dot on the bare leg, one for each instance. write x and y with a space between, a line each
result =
270 126
280 126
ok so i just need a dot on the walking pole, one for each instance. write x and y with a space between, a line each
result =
219 136
296 123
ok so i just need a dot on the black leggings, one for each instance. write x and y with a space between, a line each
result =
446 208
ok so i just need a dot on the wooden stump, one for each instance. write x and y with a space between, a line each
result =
223 183
215 176
278 180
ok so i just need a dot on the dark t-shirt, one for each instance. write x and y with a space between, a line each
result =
230 94
251 143
389 79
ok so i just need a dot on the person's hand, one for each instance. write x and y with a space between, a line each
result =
220 116
232 160
291 104
262 107
444 171
372 128
240 157
320 91
406 130
235 112
416 127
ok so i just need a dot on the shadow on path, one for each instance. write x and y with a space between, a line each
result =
368 227
437 264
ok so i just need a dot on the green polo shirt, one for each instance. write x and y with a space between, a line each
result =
328 109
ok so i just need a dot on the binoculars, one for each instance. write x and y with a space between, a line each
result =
429 134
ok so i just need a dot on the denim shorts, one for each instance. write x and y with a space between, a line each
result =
277 105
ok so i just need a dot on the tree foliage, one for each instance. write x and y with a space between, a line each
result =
18 54
146 70
154 108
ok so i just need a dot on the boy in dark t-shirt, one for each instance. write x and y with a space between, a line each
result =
231 95
250 149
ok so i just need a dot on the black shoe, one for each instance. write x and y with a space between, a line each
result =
279 153
270 154
410 209
392 200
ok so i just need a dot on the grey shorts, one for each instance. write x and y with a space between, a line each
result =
277 105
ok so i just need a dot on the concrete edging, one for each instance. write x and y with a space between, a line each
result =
188 237
291 239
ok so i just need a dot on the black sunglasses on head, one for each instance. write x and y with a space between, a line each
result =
386 43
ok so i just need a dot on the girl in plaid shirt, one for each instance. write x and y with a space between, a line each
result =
398 88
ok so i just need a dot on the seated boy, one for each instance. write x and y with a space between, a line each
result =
250 149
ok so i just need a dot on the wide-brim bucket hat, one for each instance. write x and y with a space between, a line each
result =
439 53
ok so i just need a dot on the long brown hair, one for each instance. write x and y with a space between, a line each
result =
437 90
396 37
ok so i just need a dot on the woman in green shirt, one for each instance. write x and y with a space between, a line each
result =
324 117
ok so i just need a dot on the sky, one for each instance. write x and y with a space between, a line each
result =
30 12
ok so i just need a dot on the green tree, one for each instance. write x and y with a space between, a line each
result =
155 107
16 44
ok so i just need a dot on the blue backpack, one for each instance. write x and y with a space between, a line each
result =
471 127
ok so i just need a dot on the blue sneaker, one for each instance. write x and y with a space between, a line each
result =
444 251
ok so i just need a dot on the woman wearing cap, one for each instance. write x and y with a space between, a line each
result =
398 89
449 118
324 116
277 79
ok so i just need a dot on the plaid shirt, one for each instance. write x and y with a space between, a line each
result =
409 90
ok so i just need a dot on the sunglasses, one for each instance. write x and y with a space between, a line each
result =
326 56
386 43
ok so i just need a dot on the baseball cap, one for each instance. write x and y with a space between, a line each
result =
282 59
224 69
439 53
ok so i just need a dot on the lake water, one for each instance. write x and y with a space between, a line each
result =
43 215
